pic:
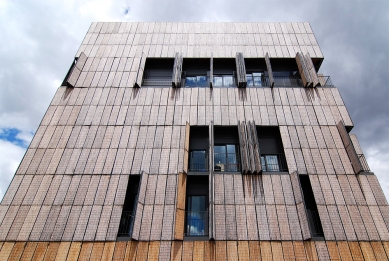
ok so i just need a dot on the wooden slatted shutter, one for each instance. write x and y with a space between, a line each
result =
240 70
269 70
180 207
312 70
211 209
357 166
140 205
300 205
303 69
243 147
177 71
139 75
186 147
76 69
256 151
211 72
250 147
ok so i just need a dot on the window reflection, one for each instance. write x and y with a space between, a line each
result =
254 79
224 81
196 81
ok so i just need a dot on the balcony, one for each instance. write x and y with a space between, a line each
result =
196 223
274 163
126 224
157 81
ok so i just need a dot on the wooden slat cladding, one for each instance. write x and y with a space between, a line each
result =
197 250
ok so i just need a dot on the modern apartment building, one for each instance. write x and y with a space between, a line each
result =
195 141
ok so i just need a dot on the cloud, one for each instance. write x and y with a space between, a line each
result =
10 157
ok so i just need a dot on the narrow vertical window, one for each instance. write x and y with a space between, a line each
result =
197 201
127 219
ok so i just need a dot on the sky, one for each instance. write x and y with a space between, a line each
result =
39 39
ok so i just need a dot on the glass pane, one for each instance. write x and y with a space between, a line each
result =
190 81
249 79
198 161
217 80
202 81
272 163
196 216
228 81
257 81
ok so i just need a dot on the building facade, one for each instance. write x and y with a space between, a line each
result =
195 141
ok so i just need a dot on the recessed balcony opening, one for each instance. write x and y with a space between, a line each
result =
127 219
271 149
195 72
311 207
226 149
197 200
198 149
255 72
224 72
158 72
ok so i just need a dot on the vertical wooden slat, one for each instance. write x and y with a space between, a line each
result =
266 251
180 211
269 70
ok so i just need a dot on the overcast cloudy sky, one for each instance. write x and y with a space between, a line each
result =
38 40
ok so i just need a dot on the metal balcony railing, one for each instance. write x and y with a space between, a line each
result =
196 223
226 162
126 224
315 224
362 160
157 81
198 161
274 162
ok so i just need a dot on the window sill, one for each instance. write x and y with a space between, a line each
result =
196 238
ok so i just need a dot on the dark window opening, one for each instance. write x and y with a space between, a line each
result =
196 214
198 149
224 72
255 72
158 72
311 207
271 149
127 219
285 73
195 72
226 149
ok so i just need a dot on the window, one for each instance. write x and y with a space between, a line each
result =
271 149
198 149
196 214
226 157
254 79
311 207
127 219
224 80
226 149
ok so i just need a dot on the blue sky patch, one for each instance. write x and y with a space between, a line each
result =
11 135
